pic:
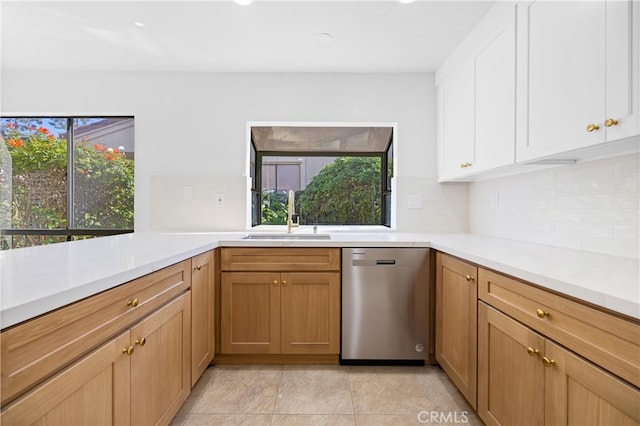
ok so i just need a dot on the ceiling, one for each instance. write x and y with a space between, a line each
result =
221 36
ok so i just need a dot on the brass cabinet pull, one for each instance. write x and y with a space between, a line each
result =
591 127
141 342
610 122
128 350
469 278
133 303
284 283
532 352
197 268
465 165
542 314
275 282
548 362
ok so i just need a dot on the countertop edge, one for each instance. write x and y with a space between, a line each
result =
465 246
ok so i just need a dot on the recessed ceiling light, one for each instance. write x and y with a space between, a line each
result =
244 2
139 24
322 40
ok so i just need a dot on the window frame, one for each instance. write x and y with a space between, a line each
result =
69 231
385 179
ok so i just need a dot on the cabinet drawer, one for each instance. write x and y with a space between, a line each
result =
611 342
280 259
34 350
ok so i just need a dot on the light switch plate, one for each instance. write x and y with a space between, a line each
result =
414 202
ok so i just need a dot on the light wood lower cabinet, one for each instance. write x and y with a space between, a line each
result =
120 357
524 378
280 313
141 377
202 313
93 391
161 363
280 301
456 322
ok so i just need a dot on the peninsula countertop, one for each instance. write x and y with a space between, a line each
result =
37 280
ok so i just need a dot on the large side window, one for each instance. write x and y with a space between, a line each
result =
65 178
340 176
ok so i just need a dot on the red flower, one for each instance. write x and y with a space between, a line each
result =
42 130
16 143
109 156
98 147
11 125
50 136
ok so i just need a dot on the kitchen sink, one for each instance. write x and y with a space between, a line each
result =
288 237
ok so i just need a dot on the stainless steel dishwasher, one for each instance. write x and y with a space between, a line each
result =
385 305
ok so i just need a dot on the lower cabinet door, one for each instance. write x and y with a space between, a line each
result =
456 323
579 393
93 391
310 313
202 314
161 363
250 312
511 376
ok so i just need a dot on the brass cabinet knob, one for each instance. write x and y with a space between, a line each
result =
141 342
548 362
284 283
610 122
128 350
542 314
469 278
532 352
133 303
465 165
275 282
591 127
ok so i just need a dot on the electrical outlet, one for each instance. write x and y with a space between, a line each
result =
220 200
494 201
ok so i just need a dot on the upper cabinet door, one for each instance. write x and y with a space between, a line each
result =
566 77
455 121
622 119
495 92
578 71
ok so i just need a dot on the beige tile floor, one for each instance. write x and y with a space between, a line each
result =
325 395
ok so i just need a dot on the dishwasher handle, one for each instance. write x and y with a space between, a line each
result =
385 262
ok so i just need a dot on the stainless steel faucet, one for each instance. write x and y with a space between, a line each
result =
290 222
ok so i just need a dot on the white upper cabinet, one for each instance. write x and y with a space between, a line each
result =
540 82
476 99
455 121
578 83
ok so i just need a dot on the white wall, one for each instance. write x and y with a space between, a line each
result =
191 131
593 206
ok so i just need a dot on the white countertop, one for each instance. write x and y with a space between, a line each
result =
37 280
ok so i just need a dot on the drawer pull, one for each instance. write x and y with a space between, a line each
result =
592 127
548 362
542 314
275 282
197 268
133 303
610 122
532 352
284 283
128 350
141 342
469 278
